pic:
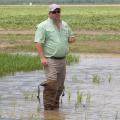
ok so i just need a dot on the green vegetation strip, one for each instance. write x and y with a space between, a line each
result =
15 37
11 63
79 17
87 43
104 43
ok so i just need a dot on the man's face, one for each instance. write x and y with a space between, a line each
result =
55 15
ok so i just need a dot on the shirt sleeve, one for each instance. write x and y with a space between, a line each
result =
40 34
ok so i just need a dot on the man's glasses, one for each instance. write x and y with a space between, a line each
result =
56 11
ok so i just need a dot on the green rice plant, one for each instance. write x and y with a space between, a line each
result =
29 95
109 78
33 95
72 58
76 106
79 97
88 98
96 79
69 94
96 43
11 63
26 94
13 38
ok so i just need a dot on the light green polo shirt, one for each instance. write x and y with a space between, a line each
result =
55 42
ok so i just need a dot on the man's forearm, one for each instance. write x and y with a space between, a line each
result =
41 53
40 49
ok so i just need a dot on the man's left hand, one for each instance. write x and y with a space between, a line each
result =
71 39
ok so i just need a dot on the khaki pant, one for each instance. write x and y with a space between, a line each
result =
56 70
55 73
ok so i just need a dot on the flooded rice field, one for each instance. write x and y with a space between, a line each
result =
92 92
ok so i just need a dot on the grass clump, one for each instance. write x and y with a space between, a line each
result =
96 79
71 58
11 63
29 95
79 97
109 78
69 94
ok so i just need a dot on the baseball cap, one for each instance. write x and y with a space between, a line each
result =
52 7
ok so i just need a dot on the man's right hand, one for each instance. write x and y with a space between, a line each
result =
44 61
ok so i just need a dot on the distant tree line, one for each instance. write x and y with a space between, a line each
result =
60 1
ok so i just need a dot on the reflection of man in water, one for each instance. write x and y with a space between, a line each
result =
52 40
53 115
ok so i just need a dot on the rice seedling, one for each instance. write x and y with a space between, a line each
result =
109 78
79 97
88 98
29 95
33 95
26 95
69 94
96 79
71 59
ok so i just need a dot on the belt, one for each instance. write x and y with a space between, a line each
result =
57 58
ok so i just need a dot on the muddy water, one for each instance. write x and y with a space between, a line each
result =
96 79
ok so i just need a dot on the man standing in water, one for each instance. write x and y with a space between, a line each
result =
52 40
